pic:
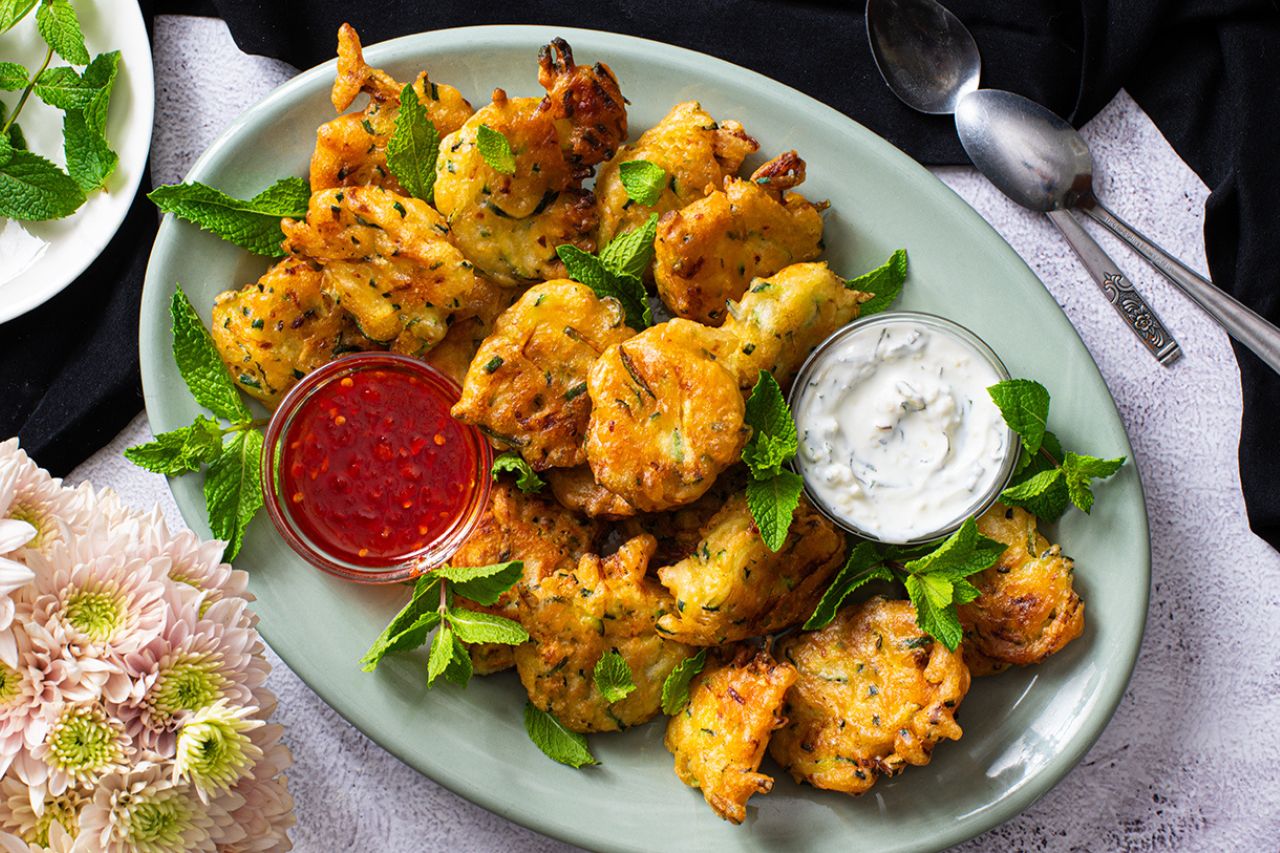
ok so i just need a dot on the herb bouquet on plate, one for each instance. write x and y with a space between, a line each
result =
133 712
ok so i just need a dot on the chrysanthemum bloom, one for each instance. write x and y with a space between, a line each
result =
27 691
146 811
34 822
28 493
196 661
267 812
196 562
83 745
215 750
58 841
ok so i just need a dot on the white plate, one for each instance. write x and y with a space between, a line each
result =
39 259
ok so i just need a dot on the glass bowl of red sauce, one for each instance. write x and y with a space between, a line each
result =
366 474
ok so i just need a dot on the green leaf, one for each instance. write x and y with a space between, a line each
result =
631 252
555 741
964 553
863 565
409 628
476 627
1079 471
1024 403
773 502
627 289
12 11
13 76
459 670
496 150
90 161
63 88
885 281
181 450
1048 505
613 678
482 584
773 439
935 611
414 147
33 189
963 592
13 141
1051 503
101 76
1031 487
58 25
441 653
643 181
511 462
252 224
200 365
675 690
233 489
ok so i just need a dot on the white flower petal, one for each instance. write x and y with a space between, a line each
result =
13 575
14 534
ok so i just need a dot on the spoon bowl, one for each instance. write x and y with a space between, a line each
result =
925 54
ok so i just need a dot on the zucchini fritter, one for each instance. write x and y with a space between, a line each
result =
526 388
576 489
873 695
695 151
733 587
719 739
577 615
351 150
283 326
453 355
1028 608
708 252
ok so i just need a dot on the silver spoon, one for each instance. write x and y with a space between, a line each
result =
1042 162
930 60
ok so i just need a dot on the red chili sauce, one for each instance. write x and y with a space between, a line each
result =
373 469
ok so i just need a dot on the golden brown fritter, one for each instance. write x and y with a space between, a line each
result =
874 694
351 149
527 385
1028 608
574 617
386 259
510 225
453 355
733 587
708 252
719 739
576 489
679 530
693 149
666 415
783 317
526 527
276 330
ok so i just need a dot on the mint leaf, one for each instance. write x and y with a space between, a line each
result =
527 480
181 450
63 88
408 629
476 627
459 669
58 25
252 224
101 76
863 565
612 677
1024 403
772 503
1079 471
1033 486
773 439
643 181
90 161
13 76
414 147
233 489
935 611
885 281
587 269
964 553
482 584
12 11
441 654
496 150
200 365
675 690
33 189
1049 504
555 741
963 592
631 252
1053 501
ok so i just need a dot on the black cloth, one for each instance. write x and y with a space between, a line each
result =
1206 71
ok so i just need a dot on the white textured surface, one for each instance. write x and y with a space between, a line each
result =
1191 760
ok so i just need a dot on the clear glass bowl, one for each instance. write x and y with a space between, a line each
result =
937 324
410 565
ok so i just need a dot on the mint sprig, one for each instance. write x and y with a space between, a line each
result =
496 150
675 690
773 492
32 188
885 281
556 742
616 272
414 147
252 224
527 480
612 677
58 25
642 180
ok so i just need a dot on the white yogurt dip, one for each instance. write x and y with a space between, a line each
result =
899 439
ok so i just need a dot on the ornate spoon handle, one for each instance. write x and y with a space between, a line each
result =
1119 291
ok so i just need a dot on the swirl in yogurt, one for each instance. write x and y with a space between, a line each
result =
898 435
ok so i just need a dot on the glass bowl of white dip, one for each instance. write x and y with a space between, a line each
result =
899 440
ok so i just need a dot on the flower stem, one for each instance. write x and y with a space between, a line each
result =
26 93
